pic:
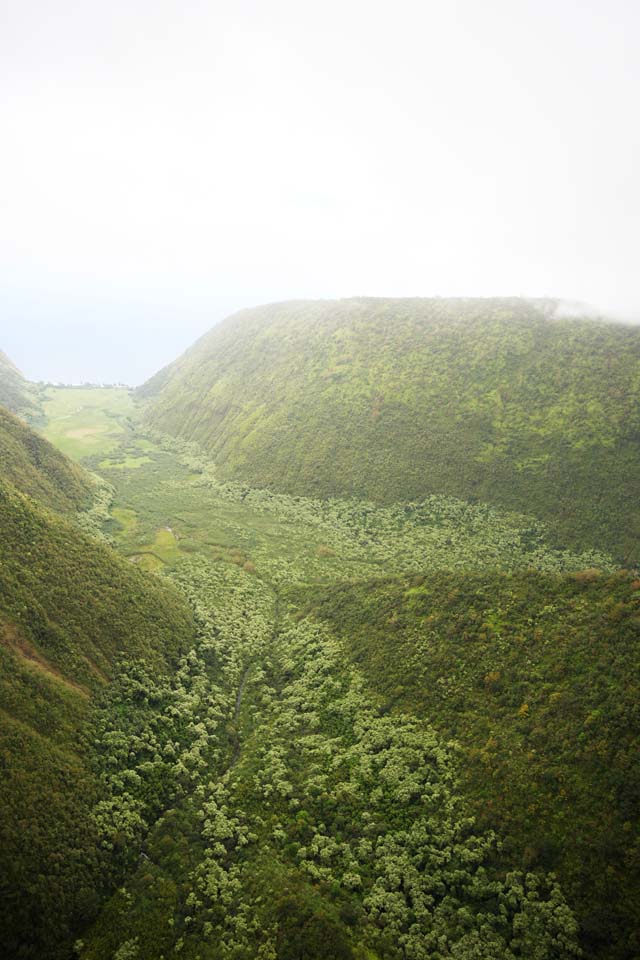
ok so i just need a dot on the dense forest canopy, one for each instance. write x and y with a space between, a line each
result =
537 676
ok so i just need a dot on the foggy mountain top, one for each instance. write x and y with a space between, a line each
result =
128 354
166 165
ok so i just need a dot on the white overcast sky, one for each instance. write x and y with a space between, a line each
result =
164 162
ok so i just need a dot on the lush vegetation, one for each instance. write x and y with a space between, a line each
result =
352 728
39 469
86 421
178 507
69 607
302 821
538 678
173 505
16 393
500 401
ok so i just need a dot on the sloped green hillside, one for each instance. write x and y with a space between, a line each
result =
36 468
69 608
16 393
495 400
538 677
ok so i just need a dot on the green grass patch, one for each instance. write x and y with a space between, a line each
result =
126 520
163 549
83 422
129 463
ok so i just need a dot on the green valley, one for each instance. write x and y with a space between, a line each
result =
326 645
82 421
319 480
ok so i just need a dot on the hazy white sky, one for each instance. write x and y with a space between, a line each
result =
166 162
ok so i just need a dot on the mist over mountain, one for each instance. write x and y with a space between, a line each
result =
99 341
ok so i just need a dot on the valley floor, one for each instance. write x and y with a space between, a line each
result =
272 799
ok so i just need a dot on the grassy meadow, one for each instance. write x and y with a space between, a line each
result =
86 421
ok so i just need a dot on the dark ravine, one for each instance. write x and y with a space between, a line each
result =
243 681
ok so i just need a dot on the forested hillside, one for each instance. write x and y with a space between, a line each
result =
538 678
502 401
36 468
69 609
16 393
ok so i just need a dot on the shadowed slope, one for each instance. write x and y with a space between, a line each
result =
69 607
